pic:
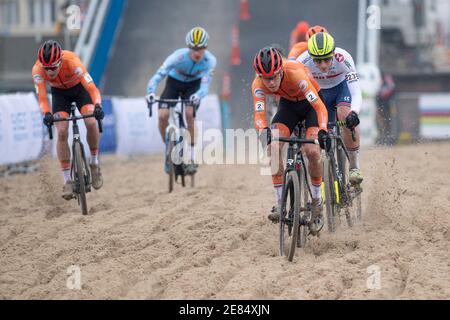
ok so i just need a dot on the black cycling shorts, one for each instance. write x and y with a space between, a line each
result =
292 112
175 89
63 98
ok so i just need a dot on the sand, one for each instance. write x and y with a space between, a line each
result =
215 241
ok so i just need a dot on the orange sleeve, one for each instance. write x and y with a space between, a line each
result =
312 95
297 50
259 104
311 78
41 90
86 80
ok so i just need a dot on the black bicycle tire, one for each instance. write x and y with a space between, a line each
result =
358 207
304 197
291 178
329 195
171 145
79 164
296 222
342 165
183 180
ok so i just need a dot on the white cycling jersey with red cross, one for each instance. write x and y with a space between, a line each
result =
342 68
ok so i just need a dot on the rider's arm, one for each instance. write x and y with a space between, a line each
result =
259 104
162 72
311 94
89 85
207 78
297 50
352 82
41 90
86 80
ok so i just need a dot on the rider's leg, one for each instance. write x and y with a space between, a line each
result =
190 119
276 157
163 122
315 167
352 146
62 145
93 135
63 153
315 170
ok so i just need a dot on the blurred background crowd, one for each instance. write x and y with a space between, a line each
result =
404 47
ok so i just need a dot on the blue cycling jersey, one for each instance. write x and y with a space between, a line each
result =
181 67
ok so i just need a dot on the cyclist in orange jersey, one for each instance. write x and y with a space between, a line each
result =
299 100
302 46
69 82
298 34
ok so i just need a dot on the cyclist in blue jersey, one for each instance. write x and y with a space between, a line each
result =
189 72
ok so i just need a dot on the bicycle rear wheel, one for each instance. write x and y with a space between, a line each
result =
192 180
330 194
170 147
289 215
304 200
344 192
80 174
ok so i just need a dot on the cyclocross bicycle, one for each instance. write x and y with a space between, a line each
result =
79 171
295 205
175 143
339 193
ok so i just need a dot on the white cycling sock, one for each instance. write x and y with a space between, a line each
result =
94 159
316 192
354 159
66 175
278 193
193 153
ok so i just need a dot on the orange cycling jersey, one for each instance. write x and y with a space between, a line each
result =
297 50
71 73
297 84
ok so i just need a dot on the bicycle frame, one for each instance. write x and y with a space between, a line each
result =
338 148
295 162
80 189
176 124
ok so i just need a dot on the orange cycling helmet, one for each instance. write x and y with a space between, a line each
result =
267 62
302 27
316 29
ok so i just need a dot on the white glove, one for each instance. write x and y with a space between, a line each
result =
195 100
150 98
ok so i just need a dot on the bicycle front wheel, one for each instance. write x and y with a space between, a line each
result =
289 215
80 174
304 200
329 185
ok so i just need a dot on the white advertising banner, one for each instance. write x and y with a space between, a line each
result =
137 133
21 128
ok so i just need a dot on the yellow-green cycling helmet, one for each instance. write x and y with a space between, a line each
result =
321 46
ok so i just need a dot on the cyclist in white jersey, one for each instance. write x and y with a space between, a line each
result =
334 70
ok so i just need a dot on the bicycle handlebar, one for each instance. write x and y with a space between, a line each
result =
172 100
343 124
297 140
76 118
150 104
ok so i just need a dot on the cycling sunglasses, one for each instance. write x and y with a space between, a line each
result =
53 68
271 78
319 61
198 48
